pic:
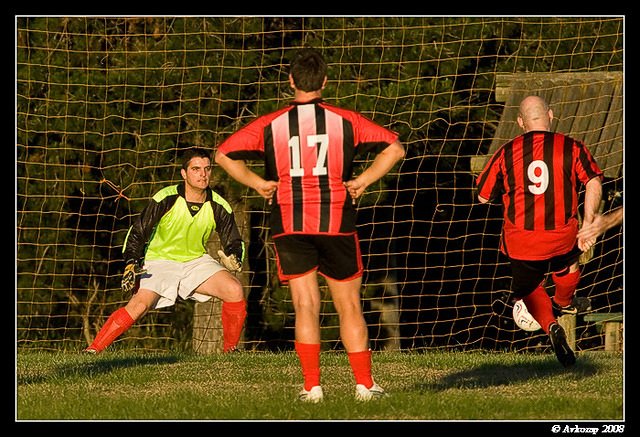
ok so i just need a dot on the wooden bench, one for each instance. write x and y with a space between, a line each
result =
611 324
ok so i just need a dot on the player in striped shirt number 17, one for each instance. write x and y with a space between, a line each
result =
308 148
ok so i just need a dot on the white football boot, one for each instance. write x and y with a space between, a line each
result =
314 395
366 394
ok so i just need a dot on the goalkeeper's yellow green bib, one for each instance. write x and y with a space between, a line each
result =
179 236
167 230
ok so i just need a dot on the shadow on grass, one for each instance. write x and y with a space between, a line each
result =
92 367
496 374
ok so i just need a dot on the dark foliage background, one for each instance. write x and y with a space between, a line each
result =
105 106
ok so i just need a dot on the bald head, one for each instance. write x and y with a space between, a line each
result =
534 114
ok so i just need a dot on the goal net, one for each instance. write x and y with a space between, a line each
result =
106 105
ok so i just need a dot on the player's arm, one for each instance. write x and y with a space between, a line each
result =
380 166
601 224
233 251
239 171
136 242
592 197
489 182
591 176
141 230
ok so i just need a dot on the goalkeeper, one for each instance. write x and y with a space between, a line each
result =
165 251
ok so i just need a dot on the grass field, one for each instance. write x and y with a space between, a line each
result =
438 386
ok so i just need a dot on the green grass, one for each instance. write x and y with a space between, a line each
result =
125 385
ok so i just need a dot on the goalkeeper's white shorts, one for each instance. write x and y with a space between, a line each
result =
171 279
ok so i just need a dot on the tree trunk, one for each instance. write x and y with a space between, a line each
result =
207 323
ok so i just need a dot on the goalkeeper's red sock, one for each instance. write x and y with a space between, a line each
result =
565 287
115 325
309 355
539 305
361 366
233 315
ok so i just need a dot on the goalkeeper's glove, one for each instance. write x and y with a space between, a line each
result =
131 273
230 262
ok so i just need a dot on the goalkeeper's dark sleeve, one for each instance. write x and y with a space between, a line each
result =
228 232
140 232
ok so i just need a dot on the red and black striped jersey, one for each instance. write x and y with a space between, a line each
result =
537 176
309 147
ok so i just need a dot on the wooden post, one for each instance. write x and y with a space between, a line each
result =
612 336
611 326
207 323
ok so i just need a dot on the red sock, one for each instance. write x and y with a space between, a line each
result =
309 355
115 325
565 287
539 305
361 366
233 315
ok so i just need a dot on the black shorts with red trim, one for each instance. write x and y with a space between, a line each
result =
336 257
528 275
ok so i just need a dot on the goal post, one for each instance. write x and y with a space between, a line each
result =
105 106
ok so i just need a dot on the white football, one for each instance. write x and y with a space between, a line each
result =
523 318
